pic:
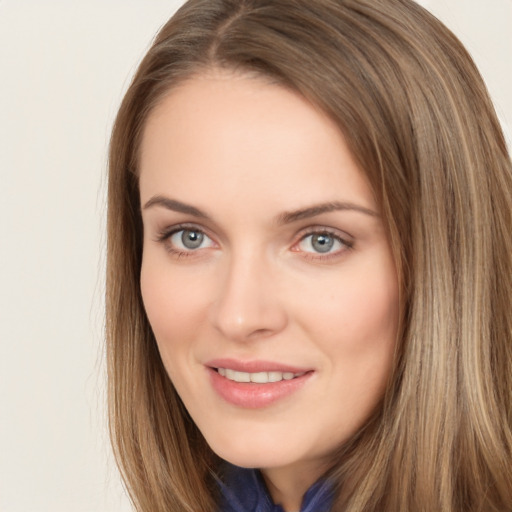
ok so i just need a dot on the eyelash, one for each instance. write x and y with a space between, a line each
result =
347 245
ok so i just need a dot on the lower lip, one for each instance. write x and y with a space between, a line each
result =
255 396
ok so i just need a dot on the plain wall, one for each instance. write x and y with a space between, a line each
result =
63 68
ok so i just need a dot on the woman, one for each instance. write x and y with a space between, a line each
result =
309 265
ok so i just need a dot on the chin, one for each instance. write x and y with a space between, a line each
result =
256 460
247 452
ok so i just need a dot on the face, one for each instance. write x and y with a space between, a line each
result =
267 276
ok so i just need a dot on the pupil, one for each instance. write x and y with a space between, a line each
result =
322 243
192 239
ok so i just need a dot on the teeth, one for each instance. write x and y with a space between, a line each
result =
259 377
242 377
275 376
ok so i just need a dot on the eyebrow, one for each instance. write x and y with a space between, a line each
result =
313 211
176 206
283 218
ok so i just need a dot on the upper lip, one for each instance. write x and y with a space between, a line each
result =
255 366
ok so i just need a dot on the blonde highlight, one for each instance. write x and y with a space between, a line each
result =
417 117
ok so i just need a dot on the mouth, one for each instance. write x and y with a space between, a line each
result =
257 377
256 385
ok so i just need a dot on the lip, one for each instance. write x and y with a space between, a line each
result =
252 395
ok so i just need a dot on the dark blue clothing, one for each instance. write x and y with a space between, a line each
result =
243 490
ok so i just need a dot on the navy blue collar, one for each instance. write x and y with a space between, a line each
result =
243 490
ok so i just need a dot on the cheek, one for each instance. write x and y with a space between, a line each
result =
356 325
359 334
357 308
172 304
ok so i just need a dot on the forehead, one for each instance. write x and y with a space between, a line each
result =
244 136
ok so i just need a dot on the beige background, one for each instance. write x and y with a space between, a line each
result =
63 68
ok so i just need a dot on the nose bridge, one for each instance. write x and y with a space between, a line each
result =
247 304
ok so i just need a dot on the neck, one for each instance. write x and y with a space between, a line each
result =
287 485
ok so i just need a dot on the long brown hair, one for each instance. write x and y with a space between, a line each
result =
417 117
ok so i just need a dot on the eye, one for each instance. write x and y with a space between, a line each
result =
322 243
186 240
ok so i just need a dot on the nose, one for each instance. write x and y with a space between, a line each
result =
248 305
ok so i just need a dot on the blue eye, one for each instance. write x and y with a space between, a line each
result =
322 243
190 240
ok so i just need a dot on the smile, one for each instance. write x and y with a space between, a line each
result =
256 384
257 377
